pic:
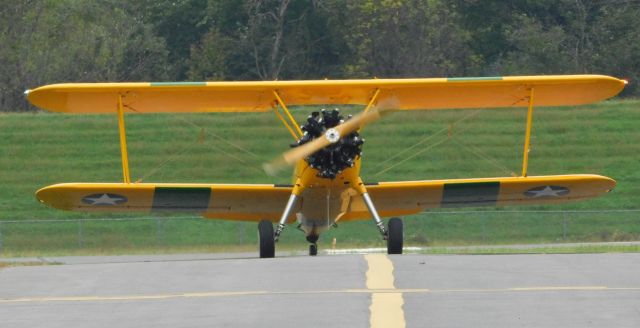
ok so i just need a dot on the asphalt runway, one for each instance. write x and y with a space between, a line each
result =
375 290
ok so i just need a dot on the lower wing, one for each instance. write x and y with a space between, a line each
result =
252 202
224 201
410 197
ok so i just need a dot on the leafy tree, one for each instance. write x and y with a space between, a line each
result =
575 37
406 38
66 40
614 39
284 37
208 60
269 40
180 23
536 49
48 41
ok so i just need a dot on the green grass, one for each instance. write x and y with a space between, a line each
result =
41 149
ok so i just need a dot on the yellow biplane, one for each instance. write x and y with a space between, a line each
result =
326 186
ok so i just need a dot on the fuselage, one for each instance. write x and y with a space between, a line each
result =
331 197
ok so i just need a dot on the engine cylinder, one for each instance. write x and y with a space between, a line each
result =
339 155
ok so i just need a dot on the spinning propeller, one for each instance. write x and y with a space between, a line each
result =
320 133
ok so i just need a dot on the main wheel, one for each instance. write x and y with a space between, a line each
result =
313 249
396 236
267 239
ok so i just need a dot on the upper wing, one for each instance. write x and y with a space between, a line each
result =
223 201
409 197
401 94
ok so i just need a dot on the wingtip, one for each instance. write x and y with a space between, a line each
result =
45 196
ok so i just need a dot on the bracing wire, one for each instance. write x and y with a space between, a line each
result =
516 99
411 156
429 137
209 133
486 157
163 163
185 149
440 141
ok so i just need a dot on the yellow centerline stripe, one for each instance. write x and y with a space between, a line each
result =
128 297
386 301
311 292
556 288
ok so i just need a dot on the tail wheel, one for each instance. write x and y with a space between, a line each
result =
395 237
267 240
313 249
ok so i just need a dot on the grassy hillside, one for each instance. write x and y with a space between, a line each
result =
42 149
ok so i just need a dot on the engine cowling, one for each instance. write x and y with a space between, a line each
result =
342 151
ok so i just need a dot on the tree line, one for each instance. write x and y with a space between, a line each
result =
51 41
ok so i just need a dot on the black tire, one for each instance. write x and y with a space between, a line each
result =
396 236
313 249
267 239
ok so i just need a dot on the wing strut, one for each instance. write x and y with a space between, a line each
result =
527 136
291 120
372 101
123 142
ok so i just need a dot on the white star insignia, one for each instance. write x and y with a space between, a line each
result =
104 200
546 192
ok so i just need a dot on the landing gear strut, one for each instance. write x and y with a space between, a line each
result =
285 215
395 236
374 215
267 240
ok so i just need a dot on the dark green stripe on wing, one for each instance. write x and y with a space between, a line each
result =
470 194
194 199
